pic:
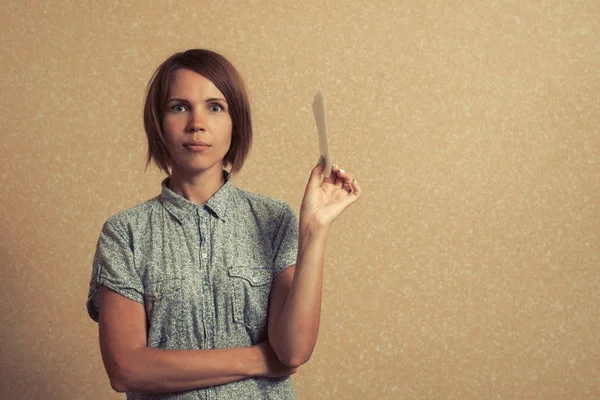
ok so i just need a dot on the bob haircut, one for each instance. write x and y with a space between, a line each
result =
226 78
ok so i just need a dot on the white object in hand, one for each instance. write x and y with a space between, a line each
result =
319 112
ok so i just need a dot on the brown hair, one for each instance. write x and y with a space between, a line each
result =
225 77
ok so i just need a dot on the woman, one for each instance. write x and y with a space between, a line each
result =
208 291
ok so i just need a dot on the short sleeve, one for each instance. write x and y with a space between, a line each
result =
285 243
113 267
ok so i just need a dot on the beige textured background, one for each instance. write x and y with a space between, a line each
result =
470 269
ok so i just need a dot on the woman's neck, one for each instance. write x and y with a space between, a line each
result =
197 188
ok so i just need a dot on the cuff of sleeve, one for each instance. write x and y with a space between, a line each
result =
93 302
279 269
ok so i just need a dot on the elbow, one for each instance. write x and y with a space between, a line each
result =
118 386
296 360
121 377
293 354
294 363
118 382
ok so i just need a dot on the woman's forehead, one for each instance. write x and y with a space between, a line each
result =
190 84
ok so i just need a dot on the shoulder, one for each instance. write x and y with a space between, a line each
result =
262 206
131 217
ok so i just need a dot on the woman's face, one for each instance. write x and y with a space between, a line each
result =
196 124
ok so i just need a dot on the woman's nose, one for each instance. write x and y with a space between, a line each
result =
196 122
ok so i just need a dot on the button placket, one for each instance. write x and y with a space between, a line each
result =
205 273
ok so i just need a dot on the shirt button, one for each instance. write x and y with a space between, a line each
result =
204 255
155 293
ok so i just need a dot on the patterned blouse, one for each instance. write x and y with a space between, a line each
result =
203 274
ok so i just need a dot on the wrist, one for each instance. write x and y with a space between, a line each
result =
258 365
313 227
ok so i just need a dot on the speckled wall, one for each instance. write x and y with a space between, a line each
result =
470 269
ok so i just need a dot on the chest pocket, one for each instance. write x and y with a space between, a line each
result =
164 309
250 293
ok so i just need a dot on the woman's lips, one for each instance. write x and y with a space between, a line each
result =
196 147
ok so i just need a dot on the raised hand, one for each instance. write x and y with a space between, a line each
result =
326 198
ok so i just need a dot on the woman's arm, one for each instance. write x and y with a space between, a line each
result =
295 303
133 367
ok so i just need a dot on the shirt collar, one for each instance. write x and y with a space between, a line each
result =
182 208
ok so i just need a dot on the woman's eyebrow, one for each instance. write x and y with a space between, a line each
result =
209 100
216 99
177 99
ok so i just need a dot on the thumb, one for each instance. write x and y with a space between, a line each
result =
316 175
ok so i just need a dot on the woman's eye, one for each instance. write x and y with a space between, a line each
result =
178 108
216 108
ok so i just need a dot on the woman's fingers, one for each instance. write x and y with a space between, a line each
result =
338 177
343 179
341 173
356 190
